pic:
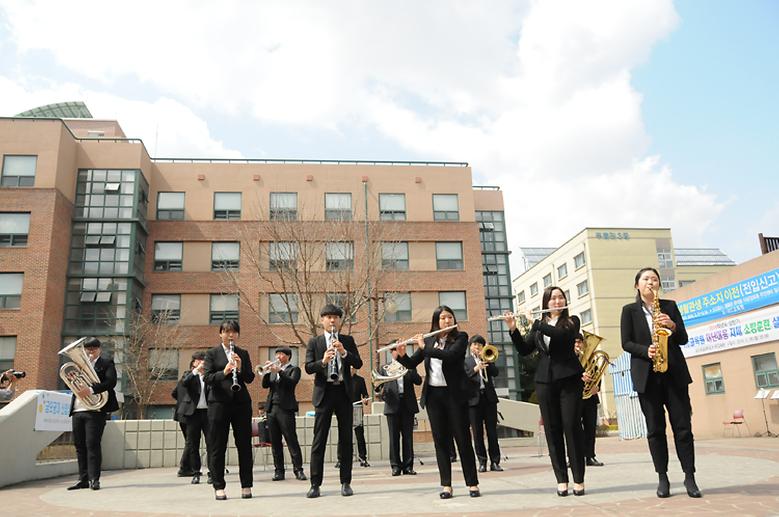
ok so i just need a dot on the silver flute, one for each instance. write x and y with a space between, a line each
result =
517 315
412 340
236 385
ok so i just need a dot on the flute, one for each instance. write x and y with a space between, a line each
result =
412 340
516 315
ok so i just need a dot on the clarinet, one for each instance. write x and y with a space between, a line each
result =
236 386
332 367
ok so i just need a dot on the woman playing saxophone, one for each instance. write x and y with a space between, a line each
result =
643 323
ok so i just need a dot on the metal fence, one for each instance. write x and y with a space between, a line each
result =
629 417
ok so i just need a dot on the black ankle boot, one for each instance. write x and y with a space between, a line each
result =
691 486
663 486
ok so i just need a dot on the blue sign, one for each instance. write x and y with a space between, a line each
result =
747 295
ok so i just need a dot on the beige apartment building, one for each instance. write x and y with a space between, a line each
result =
93 230
596 270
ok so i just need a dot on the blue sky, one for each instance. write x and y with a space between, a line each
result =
631 113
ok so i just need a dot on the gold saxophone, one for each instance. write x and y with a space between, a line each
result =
594 363
78 373
660 337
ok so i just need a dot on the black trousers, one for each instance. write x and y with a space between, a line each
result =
196 426
448 418
88 429
220 417
589 425
661 392
184 466
337 401
485 414
401 427
281 423
362 449
560 402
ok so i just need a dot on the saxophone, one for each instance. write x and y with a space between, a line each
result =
660 337
594 363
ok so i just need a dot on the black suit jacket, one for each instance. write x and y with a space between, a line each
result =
474 382
187 395
284 388
219 383
453 357
315 351
106 372
637 337
394 402
556 361
360 391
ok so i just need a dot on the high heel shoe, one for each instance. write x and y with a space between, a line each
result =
577 491
663 486
222 497
562 493
446 494
691 486
474 493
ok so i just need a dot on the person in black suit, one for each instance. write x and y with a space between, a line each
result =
589 416
559 384
483 404
88 425
332 393
193 413
445 396
185 470
281 380
360 396
658 392
400 406
227 406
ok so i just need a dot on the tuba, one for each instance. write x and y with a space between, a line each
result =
594 363
660 337
78 374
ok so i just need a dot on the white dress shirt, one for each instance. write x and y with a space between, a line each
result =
436 369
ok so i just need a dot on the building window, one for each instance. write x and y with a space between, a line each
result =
445 207
164 364
583 288
14 228
225 256
578 260
547 280
712 377
338 206
766 372
283 308
449 255
567 294
7 352
392 207
223 307
170 205
682 283
533 289
165 308
394 256
339 256
18 171
586 316
227 206
668 285
167 256
665 259
521 297
397 307
283 206
562 271
456 301
11 290
282 255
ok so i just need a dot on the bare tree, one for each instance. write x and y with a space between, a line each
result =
149 356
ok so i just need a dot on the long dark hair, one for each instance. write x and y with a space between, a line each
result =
436 325
565 319
638 276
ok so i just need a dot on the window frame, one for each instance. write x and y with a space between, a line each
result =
229 214
15 240
173 315
339 264
564 273
392 215
449 264
169 265
586 285
12 300
171 214
768 374
287 316
16 180
216 317
225 265
446 215
389 263
276 213
338 214
713 385
576 257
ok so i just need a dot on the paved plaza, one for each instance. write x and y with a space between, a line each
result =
738 476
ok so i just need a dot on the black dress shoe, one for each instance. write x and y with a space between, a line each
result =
692 487
396 471
346 490
209 480
483 467
496 467
364 463
562 493
300 475
222 497
663 486
313 492
184 474
277 476
474 493
409 471
246 495
79 485
94 484
195 479
593 462
337 465
445 494
578 492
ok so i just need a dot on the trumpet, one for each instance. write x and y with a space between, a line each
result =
412 340
262 370
518 315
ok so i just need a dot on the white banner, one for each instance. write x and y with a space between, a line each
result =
52 412
760 326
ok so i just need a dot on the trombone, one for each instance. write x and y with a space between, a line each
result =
518 315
